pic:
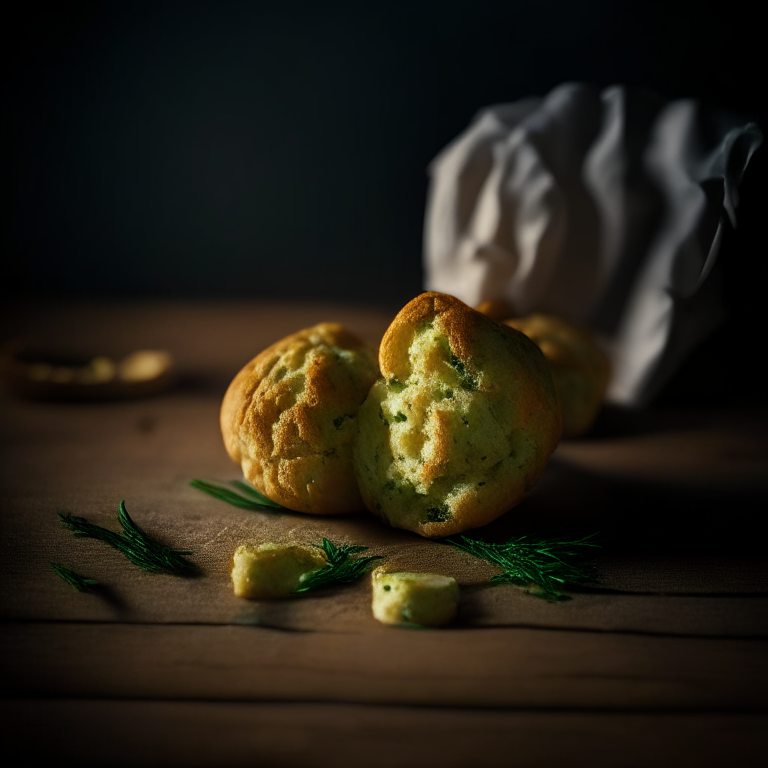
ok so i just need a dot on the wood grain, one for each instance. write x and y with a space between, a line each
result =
664 662
472 668
93 733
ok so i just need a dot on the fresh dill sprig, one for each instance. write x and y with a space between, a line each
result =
139 548
341 568
248 498
80 583
548 564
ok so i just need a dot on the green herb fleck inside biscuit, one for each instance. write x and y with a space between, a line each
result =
462 423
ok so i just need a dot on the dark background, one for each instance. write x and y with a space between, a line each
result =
235 149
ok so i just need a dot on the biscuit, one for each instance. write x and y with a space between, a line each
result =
424 599
288 418
579 368
462 423
273 570
496 309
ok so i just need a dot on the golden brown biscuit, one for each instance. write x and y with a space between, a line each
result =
460 426
289 416
496 309
579 368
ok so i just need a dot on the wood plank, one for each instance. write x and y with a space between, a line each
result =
83 460
521 668
94 733
33 592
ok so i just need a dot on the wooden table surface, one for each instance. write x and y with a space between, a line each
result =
663 662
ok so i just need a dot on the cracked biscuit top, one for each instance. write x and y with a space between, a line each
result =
289 416
460 426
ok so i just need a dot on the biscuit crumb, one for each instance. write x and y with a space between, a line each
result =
273 570
423 599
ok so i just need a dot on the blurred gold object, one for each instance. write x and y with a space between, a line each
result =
98 371
57 374
144 365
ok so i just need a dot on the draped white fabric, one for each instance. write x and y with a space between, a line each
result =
606 208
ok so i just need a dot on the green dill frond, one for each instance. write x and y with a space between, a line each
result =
248 498
80 583
545 564
341 568
136 545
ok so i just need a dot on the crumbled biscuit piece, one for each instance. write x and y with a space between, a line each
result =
273 570
426 599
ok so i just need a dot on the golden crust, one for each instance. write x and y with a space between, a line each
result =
462 424
579 368
288 418
496 309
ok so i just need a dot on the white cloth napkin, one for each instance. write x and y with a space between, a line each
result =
606 208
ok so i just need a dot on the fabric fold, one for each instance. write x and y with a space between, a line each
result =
604 207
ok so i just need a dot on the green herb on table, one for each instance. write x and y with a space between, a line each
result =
248 498
139 548
548 564
342 568
80 583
